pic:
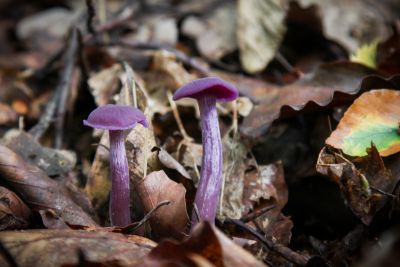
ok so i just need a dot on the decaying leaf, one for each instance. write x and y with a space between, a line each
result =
260 31
56 248
52 161
373 117
14 214
206 245
170 220
38 190
359 186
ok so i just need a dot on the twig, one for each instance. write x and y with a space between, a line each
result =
64 86
383 192
286 252
7 255
91 13
185 59
61 92
283 61
257 213
130 83
134 227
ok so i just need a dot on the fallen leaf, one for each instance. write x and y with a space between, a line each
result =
170 220
14 214
359 185
206 244
53 248
373 117
38 190
260 31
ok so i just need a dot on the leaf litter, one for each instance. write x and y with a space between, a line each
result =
291 63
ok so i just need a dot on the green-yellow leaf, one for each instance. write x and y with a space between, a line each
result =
373 117
366 55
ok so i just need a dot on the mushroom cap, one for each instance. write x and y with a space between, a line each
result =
115 117
222 90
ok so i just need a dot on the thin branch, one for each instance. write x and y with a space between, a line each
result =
134 227
286 252
91 13
257 213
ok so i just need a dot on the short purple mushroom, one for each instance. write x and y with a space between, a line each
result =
116 119
207 92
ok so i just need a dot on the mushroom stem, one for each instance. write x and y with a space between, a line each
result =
209 188
119 196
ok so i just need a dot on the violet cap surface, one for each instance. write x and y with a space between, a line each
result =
115 117
222 90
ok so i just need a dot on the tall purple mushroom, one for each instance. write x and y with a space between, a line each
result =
207 92
116 119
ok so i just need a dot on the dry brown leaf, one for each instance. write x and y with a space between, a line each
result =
14 214
168 161
207 245
104 84
170 220
38 190
357 184
373 117
56 248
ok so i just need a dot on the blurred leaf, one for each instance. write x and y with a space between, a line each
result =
373 117
260 31
56 248
170 220
366 55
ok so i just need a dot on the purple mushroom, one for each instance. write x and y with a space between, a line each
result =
207 92
116 119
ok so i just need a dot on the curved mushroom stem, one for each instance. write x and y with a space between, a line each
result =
208 191
120 195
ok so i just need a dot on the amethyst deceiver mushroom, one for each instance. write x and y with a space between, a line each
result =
207 92
116 119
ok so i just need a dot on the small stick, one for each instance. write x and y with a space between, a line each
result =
103 17
130 82
64 85
257 213
286 252
91 13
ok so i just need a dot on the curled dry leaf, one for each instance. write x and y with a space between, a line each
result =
359 185
52 161
333 83
170 220
53 248
207 245
38 190
373 117
14 214
260 31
